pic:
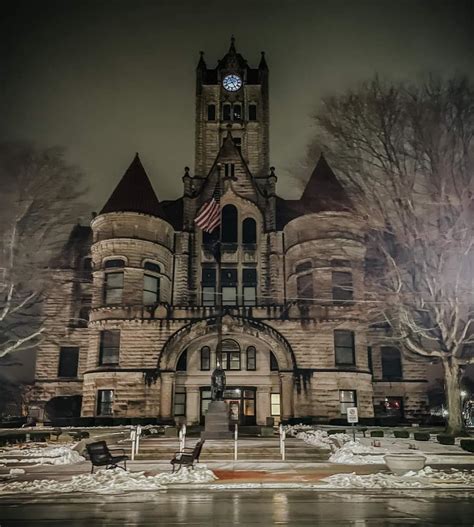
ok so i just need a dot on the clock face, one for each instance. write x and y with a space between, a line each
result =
232 82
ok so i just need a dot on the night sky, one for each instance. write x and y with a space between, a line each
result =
107 78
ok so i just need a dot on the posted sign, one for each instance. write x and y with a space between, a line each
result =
352 415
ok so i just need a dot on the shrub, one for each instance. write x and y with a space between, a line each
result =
445 439
336 431
421 436
401 434
376 433
467 444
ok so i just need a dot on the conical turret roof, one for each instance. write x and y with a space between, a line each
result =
134 193
323 190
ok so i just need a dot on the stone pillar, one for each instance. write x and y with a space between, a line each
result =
263 404
166 395
286 397
192 405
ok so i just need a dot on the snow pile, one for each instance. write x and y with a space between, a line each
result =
111 482
350 453
48 455
16 471
421 479
318 438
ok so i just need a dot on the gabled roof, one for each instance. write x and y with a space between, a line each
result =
134 193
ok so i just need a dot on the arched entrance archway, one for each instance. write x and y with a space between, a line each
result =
259 366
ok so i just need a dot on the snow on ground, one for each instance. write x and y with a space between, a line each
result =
44 455
111 481
317 438
421 479
350 453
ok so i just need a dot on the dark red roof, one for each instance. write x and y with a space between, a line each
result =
134 193
323 192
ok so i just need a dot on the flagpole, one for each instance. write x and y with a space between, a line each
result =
217 254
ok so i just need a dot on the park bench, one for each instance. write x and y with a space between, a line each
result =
101 456
187 457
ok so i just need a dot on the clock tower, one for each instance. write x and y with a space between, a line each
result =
232 97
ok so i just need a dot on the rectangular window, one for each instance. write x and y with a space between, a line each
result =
113 288
229 287
249 289
109 347
369 359
105 402
304 286
151 289
342 289
347 399
237 112
226 112
208 284
391 363
211 112
68 361
180 401
229 170
344 347
252 112
275 403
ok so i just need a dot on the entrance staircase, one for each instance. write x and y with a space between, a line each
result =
249 449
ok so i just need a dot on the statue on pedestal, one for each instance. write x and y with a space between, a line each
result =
218 384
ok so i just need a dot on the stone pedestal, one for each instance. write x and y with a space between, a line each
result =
217 422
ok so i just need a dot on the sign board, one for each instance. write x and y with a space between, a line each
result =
352 415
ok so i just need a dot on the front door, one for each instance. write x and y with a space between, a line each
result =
240 404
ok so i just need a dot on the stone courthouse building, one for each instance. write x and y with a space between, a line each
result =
132 331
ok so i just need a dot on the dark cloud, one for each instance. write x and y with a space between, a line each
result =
108 78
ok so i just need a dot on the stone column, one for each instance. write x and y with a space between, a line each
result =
192 405
286 397
263 404
166 395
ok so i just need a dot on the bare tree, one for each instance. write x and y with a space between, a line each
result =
39 202
406 152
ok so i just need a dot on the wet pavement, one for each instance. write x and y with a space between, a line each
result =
245 508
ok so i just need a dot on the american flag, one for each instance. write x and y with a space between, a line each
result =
209 215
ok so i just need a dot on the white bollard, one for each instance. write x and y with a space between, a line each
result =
133 435
282 442
137 438
236 436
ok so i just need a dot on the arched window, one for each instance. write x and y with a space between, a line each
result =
273 362
230 356
182 364
151 284
114 263
303 266
251 358
249 231
229 224
205 358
